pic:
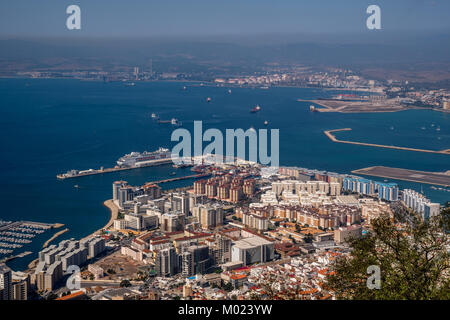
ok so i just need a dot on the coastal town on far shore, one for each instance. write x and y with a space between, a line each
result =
241 231
387 95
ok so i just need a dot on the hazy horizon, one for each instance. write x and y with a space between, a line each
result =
135 18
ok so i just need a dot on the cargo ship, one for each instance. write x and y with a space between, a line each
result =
255 109
137 159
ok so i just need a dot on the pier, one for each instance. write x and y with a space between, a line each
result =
91 172
435 178
329 134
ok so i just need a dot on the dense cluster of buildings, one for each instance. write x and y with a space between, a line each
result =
228 237
332 78
225 188
54 260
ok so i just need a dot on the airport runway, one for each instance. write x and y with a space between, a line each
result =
436 178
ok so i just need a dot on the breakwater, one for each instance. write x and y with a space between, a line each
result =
329 134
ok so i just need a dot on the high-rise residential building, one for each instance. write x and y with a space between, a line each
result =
20 285
211 189
249 187
384 191
187 264
236 193
420 204
166 262
255 221
52 276
200 258
387 191
116 187
224 250
180 203
200 187
171 222
5 282
209 216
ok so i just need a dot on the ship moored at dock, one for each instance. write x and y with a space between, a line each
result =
129 161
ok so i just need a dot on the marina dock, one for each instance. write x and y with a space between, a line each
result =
329 134
16 234
435 178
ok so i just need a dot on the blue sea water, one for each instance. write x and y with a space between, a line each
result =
50 126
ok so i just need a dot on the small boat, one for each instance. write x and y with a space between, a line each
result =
184 88
229 91
130 84
255 109
172 173
154 116
266 123
312 108
175 122
76 186
208 99
438 128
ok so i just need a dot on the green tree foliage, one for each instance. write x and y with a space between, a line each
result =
413 260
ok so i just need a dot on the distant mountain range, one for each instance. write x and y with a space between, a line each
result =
402 53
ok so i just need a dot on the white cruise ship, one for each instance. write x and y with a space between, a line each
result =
136 159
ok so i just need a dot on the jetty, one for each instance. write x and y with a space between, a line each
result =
56 235
20 255
329 134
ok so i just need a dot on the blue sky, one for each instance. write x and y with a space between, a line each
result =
213 17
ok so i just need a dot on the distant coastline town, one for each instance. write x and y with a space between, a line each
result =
387 95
